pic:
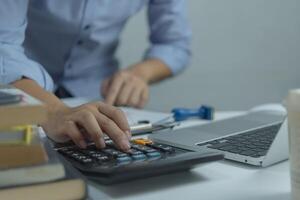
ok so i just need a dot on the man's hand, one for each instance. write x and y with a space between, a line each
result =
89 121
130 87
125 89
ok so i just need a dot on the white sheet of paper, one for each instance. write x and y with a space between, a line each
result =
135 115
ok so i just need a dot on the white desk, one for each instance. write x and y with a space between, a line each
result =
219 180
222 180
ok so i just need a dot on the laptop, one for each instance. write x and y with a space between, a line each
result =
257 138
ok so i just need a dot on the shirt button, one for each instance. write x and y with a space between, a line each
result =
69 66
79 42
86 27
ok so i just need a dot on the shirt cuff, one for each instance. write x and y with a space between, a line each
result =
176 59
12 69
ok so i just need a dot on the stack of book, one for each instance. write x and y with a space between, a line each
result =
29 168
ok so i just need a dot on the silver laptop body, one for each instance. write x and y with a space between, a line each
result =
199 137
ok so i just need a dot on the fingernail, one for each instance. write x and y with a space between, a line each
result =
82 144
102 143
126 145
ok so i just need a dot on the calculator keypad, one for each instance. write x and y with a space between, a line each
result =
141 150
145 159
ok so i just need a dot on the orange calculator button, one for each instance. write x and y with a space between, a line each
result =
142 141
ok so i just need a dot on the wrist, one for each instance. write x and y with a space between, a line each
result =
56 108
54 112
143 70
151 70
140 72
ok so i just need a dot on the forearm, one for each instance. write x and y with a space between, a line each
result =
32 88
151 70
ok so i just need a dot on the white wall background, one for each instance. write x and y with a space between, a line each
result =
245 53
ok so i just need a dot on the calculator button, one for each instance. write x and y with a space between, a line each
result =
69 152
123 159
122 154
139 157
153 154
143 148
111 152
81 157
77 157
75 154
163 148
65 151
114 153
96 154
89 151
135 152
86 160
142 141
100 156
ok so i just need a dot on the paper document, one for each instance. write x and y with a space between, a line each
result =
135 115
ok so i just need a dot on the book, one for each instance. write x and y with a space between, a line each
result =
33 174
22 155
71 186
16 135
28 111
63 190
51 170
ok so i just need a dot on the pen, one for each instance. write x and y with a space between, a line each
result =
151 127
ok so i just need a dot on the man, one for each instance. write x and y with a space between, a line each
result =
69 46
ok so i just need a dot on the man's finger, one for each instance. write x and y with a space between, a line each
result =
135 97
143 98
88 121
124 94
114 89
114 132
76 136
115 114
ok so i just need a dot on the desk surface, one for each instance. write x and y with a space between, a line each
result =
219 180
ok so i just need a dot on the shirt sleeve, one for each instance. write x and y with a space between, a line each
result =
170 33
14 64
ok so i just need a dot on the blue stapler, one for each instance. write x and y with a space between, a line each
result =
204 112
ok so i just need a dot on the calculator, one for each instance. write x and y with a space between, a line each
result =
145 158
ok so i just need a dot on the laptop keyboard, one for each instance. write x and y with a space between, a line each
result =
254 143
